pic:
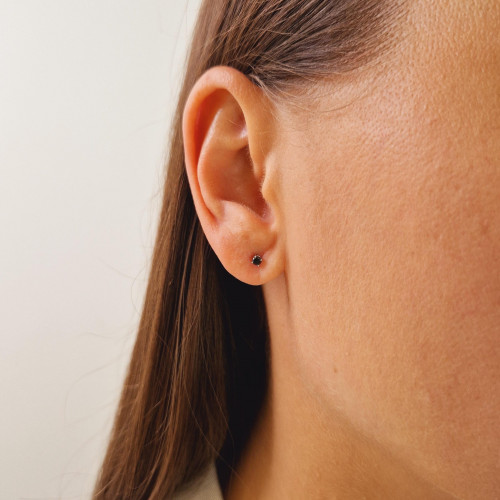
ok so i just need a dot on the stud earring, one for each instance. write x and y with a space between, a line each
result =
257 260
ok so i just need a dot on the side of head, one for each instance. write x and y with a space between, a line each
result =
354 146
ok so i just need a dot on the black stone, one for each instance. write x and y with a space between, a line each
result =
257 259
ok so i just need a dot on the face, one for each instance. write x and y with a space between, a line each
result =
394 268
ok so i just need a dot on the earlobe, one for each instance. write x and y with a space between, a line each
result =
227 138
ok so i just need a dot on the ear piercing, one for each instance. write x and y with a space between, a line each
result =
256 260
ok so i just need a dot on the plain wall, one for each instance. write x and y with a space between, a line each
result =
87 89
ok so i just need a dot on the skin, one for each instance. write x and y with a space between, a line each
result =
375 205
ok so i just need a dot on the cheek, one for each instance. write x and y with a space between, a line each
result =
394 276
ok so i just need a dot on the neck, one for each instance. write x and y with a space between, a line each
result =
298 449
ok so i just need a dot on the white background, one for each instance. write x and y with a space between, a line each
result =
87 88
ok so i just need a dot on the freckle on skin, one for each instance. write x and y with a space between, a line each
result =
485 227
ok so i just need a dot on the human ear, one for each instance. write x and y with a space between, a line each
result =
228 139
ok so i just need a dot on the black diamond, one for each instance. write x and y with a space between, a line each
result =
257 259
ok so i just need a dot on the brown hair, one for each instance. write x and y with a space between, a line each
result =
198 373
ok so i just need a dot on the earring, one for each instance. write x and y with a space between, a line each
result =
257 260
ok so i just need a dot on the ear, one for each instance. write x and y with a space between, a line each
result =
228 138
